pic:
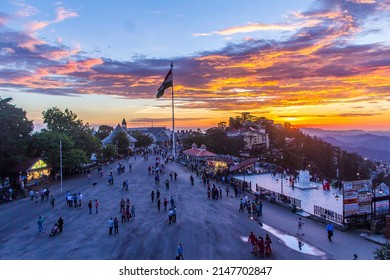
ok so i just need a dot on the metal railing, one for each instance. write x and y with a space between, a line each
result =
328 214
272 196
282 198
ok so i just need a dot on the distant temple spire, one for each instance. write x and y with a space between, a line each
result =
124 124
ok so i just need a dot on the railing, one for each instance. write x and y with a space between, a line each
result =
282 198
328 214
272 196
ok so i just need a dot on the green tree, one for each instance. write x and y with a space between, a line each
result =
383 253
109 151
216 140
234 145
103 131
46 144
121 141
74 159
260 151
16 131
143 140
68 123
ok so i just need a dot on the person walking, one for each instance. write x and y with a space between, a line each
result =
80 198
133 211
300 226
180 252
252 240
96 206
40 224
260 246
110 226
167 185
330 230
122 205
52 201
128 214
152 196
123 218
116 225
170 215
158 204
60 224
165 204
267 243
90 206
172 201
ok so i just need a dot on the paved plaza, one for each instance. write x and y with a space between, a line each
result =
208 229
310 195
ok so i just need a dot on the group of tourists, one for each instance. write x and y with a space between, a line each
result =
255 207
42 194
73 200
260 246
126 211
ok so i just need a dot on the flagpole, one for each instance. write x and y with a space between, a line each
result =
61 163
173 122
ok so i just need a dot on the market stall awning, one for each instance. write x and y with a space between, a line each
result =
243 164
199 152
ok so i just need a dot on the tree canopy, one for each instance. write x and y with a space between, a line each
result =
103 131
68 123
121 141
16 132
143 140
78 142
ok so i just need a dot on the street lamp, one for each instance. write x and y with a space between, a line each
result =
281 176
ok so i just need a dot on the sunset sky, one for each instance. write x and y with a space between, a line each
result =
323 64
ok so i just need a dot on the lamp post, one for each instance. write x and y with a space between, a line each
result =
61 165
281 176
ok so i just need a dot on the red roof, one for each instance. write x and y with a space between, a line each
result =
196 152
243 164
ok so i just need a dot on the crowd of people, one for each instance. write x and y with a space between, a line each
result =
260 245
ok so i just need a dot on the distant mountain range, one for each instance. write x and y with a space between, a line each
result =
374 145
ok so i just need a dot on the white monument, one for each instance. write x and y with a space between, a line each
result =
304 177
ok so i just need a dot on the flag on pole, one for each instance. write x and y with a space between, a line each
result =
168 82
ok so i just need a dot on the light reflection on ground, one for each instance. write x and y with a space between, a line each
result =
290 241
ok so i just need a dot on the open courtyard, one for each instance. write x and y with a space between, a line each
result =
208 229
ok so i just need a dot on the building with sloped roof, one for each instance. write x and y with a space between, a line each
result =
161 135
33 169
118 129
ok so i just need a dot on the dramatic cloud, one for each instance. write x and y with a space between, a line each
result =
319 64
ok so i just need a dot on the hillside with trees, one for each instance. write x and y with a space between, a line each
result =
291 149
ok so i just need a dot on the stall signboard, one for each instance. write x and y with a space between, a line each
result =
357 197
